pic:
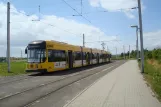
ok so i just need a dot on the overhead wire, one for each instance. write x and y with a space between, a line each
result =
104 11
100 41
61 29
47 23
73 9
76 11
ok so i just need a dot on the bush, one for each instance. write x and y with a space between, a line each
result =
2 59
156 53
159 61
153 76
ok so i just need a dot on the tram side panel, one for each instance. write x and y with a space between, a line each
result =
56 60
77 59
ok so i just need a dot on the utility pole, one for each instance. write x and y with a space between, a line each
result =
83 41
8 35
21 54
137 48
107 48
129 51
141 36
6 56
103 45
116 52
124 51
81 7
39 13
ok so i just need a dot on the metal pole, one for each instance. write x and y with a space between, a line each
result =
124 51
129 51
39 12
137 48
83 41
141 36
8 35
6 56
107 49
81 7
103 45
21 54
116 52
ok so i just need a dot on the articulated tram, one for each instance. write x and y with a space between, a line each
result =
50 56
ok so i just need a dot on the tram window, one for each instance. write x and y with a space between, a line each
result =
91 55
97 55
50 56
105 55
88 56
56 55
100 56
59 55
43 56
94 56
78 56
84 56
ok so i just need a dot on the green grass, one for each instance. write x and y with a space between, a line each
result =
118 58
16 68
153 77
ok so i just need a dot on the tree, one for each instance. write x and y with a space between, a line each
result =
122 54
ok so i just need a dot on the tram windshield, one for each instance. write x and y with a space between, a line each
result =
36 55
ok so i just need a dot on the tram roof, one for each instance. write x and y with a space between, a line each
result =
67 46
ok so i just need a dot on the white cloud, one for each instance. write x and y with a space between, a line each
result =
23 31
95 3
152 39
129 14
114 5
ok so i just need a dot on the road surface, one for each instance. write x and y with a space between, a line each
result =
50 90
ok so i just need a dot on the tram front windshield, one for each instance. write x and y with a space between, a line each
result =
36 55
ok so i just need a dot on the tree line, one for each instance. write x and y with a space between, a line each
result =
148 54
4 59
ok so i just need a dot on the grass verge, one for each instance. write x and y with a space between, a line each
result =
153 77
16 68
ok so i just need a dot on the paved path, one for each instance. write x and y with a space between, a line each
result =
123 87
52 89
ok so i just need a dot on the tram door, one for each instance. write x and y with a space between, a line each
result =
70 57
98 58
88 58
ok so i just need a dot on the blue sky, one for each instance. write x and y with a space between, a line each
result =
112 23
108 20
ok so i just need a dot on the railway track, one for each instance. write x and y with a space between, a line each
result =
102 72
32 103
6 80
68 76
47 88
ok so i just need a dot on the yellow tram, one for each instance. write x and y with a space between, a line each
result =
50 56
